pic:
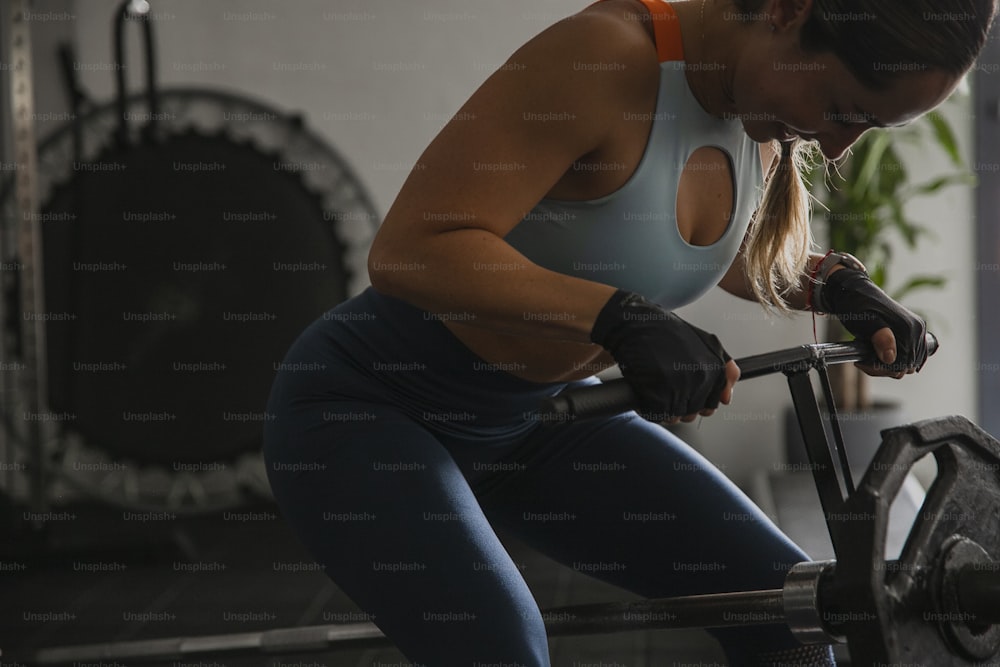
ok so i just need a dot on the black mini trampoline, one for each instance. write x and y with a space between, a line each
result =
189 235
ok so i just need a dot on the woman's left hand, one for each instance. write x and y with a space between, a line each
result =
897 334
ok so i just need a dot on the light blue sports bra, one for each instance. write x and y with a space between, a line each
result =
629 238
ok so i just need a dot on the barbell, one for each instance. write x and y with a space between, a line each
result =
937 604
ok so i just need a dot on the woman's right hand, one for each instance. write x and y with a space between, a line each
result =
677 370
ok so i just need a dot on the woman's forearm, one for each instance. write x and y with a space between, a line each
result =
800 299
477 277
737 283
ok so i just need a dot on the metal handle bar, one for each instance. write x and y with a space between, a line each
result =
615 396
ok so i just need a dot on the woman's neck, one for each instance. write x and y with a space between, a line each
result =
711 48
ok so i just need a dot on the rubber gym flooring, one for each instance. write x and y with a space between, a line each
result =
100 579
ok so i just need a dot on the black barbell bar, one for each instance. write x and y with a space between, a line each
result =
797 604
742 608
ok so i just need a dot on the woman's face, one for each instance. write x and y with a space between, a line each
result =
814 96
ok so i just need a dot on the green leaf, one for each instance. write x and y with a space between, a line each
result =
891 172
877 274
945 137
870 157
963 178
907 229
917 282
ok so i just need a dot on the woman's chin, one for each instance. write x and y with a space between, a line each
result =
764 133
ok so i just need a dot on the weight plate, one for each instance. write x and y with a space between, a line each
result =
887 608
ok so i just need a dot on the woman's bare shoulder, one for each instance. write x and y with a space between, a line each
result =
621 29
560 96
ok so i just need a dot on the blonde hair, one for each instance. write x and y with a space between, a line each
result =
779 238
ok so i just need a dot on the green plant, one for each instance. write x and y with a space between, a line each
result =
861 203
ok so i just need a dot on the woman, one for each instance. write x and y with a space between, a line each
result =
605 175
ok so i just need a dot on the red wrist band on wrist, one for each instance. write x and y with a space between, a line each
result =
812 278
810 306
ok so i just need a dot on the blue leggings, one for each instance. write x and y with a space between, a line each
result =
393 452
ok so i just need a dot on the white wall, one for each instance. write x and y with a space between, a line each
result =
947 385
378 78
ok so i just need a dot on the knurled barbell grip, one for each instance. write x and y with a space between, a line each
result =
607 398
616 396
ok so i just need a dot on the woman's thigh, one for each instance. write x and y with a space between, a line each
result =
628 502
381 504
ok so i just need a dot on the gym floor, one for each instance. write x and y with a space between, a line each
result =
104 579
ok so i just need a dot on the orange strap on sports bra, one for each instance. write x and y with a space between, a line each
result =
667 28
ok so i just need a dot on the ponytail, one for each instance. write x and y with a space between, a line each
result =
779 237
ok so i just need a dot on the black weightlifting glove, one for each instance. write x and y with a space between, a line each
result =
863 309
674 368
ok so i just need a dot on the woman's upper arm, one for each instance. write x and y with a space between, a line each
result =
519 133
